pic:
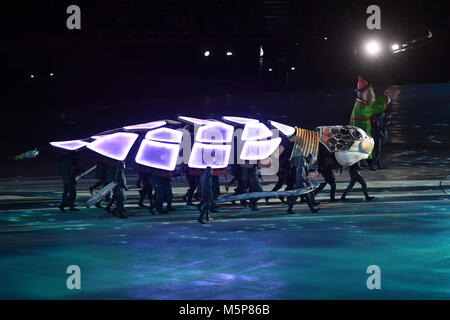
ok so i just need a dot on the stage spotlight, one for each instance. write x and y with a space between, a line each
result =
270 69
31 75
229 53
206 53
373 48
395 46
51 74
292 68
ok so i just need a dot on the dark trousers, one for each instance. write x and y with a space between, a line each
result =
280 182
300 183
205 208
193 184
146 191
254 186
99 183
69 194
120 199
163 191
353 180
329 179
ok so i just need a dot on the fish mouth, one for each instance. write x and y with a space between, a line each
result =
367 145
348 158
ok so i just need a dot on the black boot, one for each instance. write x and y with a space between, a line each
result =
61 207
120 215
369 198
141 204
98 205
108 209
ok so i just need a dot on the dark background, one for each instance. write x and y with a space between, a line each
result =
137 61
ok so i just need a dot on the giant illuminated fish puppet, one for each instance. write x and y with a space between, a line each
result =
159 146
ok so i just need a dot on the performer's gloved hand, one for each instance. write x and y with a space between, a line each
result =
392 92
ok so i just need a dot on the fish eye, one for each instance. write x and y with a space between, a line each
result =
356 134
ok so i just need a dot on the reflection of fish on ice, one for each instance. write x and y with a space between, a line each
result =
263 194
100 195
27 155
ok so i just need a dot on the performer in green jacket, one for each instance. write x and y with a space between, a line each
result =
369 105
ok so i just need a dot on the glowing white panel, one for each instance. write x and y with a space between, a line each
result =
284 129
214 156
158 155
194 121
115 146
146 126
165 135
239 120
215 132
69 145
97 137
259 150
255 131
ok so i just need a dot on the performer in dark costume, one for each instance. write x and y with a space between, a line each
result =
242 182
207 195
355 176
193 185
248 181
119 191
301 181
100 174
163 192
254 185
147 189
325 168
68 170
235 173
110 174
284 168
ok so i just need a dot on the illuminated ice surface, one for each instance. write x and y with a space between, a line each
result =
258 150
214 156
215 132
146 126
69 145
241 255
255 131
158 155
115 146
285 129
239 120
165 135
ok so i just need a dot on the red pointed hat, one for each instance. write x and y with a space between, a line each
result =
363 84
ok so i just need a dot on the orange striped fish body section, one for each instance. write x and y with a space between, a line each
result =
306 142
